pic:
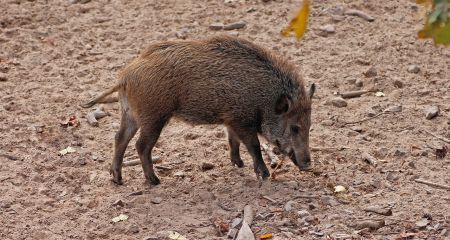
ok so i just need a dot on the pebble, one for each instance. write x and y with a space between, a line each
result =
399 152
303 213
327 122
182 34
339 102
327 200
134 229
371 72
422 223
398 83
431 112
234 26
156 200
216 26
3 77
118 202
207 166
357 129
413 69
359 83
328 28
289 206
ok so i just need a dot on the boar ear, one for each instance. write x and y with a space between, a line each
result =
283 104
312 89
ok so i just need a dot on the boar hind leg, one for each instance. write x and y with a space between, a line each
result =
234 142
128 128
144 145
251 142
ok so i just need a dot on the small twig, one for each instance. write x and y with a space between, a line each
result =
318 149
361 14
155 159
10 157
270 199
353 94
163 167
306 196
365 119
438 185
436 136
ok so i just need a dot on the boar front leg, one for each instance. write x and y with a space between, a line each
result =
250 139
234 142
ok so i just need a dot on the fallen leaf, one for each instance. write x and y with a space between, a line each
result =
379 94
299 23
71 122
66 151
121 217
339 188
176 236
266 236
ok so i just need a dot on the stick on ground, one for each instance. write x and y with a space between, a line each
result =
438 137
438 185
358 13
155 159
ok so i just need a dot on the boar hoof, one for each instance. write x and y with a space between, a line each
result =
263 172
238 162
117 178
154 180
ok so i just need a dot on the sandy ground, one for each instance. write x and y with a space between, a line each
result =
55 55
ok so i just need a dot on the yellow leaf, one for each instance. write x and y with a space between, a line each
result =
299 23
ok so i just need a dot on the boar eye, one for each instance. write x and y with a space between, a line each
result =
295 129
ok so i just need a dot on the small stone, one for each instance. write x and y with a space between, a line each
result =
422 223
303 213
207 166
413 69
182 34
359 83
396 108
118 202
216 26
338 102
289 206
151 238
357 129
179 174
232 233
156 200
431 112
399 152
371 72
327 122
381 152
398 83
134 229
327 200
328 28
234 26
3 77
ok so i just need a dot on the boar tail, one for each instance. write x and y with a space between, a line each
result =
101 97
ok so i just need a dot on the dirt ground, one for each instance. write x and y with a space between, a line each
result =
57 54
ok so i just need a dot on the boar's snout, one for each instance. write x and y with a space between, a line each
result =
303 161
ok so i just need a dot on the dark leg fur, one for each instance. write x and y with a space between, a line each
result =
234 142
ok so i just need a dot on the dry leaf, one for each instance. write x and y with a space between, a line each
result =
379 94
266 236
299 23
66 151
121 217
